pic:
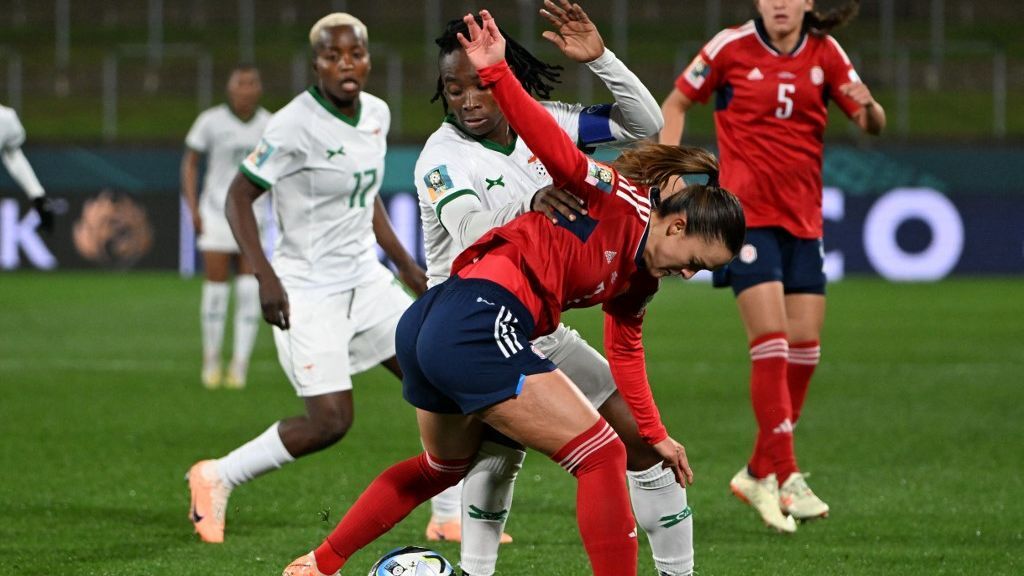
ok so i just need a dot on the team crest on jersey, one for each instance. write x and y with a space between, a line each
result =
599 176
697 72
438 182
260 154
817 76
748 254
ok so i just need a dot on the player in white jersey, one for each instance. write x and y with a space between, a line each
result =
225 134
475 174
334 307
12 136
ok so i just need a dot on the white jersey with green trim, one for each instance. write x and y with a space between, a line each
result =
12 133
225 140
325 170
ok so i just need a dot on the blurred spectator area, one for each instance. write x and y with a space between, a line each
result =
140 70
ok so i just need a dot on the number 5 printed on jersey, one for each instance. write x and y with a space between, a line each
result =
360 189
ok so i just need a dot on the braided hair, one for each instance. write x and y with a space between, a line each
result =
537 77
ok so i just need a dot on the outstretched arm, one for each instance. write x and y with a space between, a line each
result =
635 114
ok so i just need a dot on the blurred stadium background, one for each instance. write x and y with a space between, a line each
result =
914 424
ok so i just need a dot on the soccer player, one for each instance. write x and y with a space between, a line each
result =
464 347
773 78
12 136
473 174
333 306
224 134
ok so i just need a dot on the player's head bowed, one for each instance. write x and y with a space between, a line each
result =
713 213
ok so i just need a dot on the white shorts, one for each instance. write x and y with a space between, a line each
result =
335 335
586 367
217 236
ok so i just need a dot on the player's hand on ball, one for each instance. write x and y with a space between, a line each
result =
674 455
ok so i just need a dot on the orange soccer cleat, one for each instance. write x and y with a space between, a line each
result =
209 501
303 566
451 531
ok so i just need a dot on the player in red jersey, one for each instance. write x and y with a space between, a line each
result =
464 347
772 79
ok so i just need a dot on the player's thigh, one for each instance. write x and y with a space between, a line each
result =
584 365
217 266
449 436
313 352
548 413
377 306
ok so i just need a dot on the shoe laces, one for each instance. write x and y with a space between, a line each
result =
796 484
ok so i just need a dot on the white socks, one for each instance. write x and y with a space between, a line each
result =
247 316
256 457
486 497
213 311
447 505
659 503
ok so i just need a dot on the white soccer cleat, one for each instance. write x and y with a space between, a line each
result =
797 499
236 378
211 376
763 495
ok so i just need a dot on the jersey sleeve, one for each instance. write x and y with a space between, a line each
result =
281 152
198 138
634 115
623 342
445 183
699 80
12 133
542 134
839 71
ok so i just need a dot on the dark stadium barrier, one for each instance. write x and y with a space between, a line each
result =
906 215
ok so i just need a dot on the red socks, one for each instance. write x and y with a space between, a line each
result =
597 458
803 359
769 393
388 499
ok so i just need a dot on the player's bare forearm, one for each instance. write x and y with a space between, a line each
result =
238 209
189 176
674 110
408 270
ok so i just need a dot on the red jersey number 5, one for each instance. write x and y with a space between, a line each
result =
785 109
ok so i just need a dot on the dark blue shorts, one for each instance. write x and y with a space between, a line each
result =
465 345
775 255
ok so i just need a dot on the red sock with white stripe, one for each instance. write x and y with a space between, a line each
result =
597 458
770 396
386 501
803 359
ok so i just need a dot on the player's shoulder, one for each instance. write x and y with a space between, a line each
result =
829 45
8 116
447 144
373 104
731 39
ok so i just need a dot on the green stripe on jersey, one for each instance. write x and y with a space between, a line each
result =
448 199
254 178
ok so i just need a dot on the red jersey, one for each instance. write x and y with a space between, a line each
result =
770 115
596 259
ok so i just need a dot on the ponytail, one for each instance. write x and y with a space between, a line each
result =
822 24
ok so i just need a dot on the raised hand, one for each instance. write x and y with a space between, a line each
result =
485 46
576 35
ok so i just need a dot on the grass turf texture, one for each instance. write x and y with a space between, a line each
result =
912 431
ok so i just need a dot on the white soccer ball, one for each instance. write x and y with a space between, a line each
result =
412 561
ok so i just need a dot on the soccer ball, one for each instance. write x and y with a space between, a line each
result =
412 561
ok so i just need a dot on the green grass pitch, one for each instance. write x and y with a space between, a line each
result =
913 431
